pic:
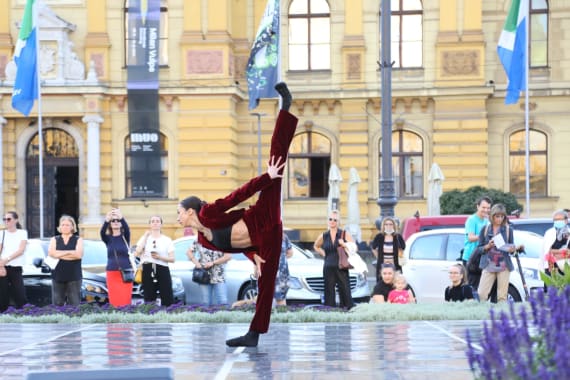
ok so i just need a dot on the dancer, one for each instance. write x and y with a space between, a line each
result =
258 230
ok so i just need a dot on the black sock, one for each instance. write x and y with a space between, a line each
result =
286 97
248 340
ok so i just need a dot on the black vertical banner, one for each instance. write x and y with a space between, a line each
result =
143 28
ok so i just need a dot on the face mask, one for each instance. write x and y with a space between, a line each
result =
559 223
389 231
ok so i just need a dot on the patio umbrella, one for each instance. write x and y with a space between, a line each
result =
353 217
334 188
435 183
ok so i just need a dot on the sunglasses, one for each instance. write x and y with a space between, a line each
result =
7 219
333 220
154 244
115 220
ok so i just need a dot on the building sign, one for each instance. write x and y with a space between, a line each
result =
143 23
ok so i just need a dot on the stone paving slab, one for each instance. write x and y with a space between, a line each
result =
398 350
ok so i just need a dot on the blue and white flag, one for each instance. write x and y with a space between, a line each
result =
511 49
263 66
26 83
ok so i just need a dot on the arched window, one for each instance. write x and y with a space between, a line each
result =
309 162
150 170
407 164
407 33
538 154
132 34
538 49
309 35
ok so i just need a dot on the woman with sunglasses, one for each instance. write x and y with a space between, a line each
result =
156 250
116 234
326 245
257 230
12 246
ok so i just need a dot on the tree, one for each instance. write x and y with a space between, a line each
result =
465 202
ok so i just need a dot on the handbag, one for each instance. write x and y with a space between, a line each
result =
201 276
343 257
127 274
138 274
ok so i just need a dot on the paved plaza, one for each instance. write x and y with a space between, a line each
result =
410 350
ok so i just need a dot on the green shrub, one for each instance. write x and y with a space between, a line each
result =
464 202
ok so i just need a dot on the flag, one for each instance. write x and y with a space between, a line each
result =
512 48
262 67
26 83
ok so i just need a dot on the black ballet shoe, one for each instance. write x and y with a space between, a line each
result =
248 340
286 97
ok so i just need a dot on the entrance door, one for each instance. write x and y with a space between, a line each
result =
60 181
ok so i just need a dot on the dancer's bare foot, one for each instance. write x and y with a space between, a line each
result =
286 97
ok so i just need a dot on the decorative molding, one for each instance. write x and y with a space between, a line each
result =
354 66
169 101
204 62
121 100
460 63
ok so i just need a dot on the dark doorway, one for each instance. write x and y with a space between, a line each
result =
60 181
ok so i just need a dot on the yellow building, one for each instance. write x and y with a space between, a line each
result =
448 107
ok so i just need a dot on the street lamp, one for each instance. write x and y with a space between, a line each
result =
387 199
259 115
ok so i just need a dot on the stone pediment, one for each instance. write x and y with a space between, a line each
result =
58 62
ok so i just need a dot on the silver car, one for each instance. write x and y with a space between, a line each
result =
306 282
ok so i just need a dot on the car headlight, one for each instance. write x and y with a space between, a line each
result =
531 273
92 287
177 285
294 283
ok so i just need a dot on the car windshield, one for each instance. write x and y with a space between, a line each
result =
94 253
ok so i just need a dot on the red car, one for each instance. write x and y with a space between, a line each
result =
419 223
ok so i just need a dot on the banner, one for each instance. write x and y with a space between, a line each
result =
263 66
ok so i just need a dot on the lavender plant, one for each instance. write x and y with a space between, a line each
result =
513 347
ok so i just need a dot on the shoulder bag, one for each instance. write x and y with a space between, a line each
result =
201 276
343 256
127 274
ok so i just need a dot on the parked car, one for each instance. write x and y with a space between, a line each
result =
536 225
37 275
429 255
306 284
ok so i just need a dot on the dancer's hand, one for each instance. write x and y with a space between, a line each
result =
273 168
258 261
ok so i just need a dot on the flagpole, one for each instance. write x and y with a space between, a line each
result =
40 136
526 109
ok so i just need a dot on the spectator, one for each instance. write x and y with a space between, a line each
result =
67 248
384 285
496 261
156 250
401 293
12 248
326 245
555 244
116 234
216 292
473 226
459 290
282 279
388 246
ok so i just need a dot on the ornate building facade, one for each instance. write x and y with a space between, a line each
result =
447 104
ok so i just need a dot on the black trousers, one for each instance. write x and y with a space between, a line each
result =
12 286
157 278
333 278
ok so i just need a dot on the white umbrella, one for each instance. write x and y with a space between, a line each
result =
353 218
334 188
435 184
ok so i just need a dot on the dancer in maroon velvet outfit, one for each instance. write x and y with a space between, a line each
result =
258 230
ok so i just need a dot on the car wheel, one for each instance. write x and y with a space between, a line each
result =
513 294
248 291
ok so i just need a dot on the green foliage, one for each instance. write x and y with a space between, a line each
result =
558 280
464 202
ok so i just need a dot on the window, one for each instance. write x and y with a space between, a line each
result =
406 33
309 35
309 163
131 35
538 155
407 164
147 167
538 49
428 248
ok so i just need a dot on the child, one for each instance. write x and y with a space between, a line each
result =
400 293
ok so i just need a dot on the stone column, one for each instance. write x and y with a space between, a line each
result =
2 123
93 169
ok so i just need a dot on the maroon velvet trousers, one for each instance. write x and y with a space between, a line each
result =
265 226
